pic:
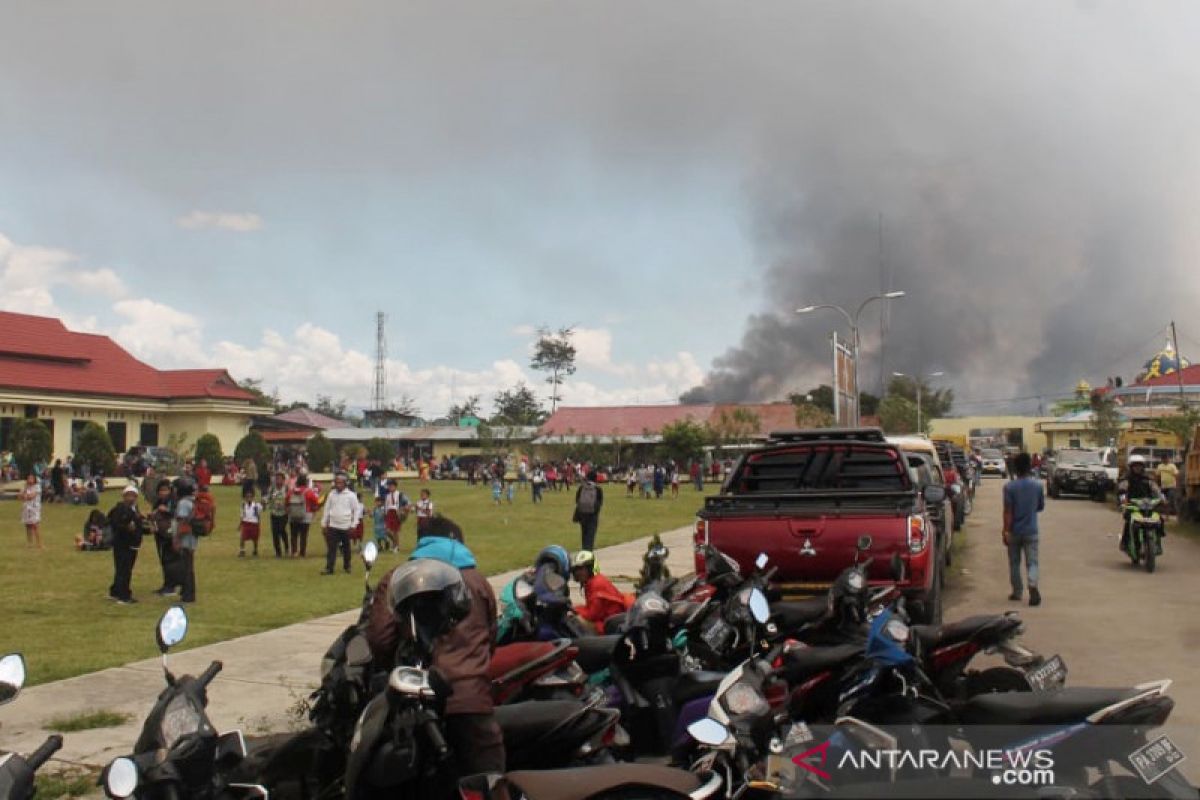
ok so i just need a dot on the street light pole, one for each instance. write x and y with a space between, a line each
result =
920 381
855 340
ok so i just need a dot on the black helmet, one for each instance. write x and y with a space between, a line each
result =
430 596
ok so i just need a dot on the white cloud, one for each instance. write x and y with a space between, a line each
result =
239 222
104 281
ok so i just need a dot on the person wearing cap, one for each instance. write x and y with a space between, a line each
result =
1138 485
603 599
1024 499
127 524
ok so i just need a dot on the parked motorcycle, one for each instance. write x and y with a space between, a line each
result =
609 782
17 772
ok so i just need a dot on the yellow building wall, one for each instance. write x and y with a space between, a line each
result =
962 426
228 428
452 450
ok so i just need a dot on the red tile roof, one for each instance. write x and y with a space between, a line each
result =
1190 375
636 420
40 354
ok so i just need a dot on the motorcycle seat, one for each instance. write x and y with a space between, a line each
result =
581 783
1070 704
510 660
931 636
693 685
806 662
523 723
595 652
795 614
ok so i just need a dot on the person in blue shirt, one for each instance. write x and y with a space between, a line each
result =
1024 499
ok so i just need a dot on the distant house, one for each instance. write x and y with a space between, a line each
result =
294 427
67 379
389 418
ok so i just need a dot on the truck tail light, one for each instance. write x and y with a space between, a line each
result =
917 538
700 539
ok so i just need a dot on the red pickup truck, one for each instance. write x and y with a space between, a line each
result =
805 498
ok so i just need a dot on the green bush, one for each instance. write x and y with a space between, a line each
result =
208 447
31 443
95 448
319 453
381 450
254 447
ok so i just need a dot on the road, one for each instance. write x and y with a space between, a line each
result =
1114 625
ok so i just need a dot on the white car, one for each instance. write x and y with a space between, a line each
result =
993 463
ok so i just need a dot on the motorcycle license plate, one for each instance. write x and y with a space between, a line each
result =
1049 675
716 634
1156 759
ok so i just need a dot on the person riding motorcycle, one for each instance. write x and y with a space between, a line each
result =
551 571
462 653
1138 485
604 600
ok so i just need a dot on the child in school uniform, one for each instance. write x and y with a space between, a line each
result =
497 489
356 533
424 513
379 525
249 527
510 490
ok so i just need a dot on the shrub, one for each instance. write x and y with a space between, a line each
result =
319 453
254 447
95 448
208 447
31 443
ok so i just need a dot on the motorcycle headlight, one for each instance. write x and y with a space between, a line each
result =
180 719
743 699
855 581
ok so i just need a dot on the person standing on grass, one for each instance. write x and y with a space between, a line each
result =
395 507
184 541
250 526
589 497
1024 499
203 473
424 513
537 480
126 523
31 511
163 515
383 539
275 501
301 503
340 516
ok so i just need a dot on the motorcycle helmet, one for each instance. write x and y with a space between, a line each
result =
429 597
584 558
1137 459
556 556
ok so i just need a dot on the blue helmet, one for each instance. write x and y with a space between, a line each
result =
556 555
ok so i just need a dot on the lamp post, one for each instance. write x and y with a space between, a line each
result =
920 381
852 320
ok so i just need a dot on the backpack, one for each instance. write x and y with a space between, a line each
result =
297 506
586 502
202 514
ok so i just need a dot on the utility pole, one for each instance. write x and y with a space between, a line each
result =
379 396
1178 365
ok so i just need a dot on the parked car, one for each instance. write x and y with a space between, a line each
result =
1080 471
994 462
956 483
805 499
927 471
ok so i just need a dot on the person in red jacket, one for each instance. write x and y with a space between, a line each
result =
603 598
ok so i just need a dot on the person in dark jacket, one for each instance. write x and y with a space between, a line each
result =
461 655
126 523
162 515
589 497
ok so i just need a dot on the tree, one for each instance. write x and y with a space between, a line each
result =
1182 425
810 415
261 398
331 408
868 404
821 397
518 406
683 440
934 402
898 414
381 450
31 443
319 453
1106 422
208 447
467 408
254 447
95 448
554 353
406 404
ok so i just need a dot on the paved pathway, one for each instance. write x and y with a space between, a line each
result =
264 675
1113 625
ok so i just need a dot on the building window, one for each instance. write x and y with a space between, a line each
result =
6 424
116 432
148 434
77 426
31 412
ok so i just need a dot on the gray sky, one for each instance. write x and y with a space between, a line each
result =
245 184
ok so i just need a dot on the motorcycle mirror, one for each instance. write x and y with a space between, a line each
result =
708 731
864 542
120 778
897 568
761 561
760 609
12 677
172 627
370 552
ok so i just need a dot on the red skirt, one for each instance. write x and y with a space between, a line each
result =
392 520
249 531
356 533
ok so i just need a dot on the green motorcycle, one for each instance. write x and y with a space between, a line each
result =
1146 530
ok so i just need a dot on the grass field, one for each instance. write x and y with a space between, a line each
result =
56 612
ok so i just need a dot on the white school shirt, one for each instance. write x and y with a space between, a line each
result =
252 511
392 501
425 509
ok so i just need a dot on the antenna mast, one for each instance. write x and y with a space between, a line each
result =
379 397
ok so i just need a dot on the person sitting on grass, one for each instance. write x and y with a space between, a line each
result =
96 534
